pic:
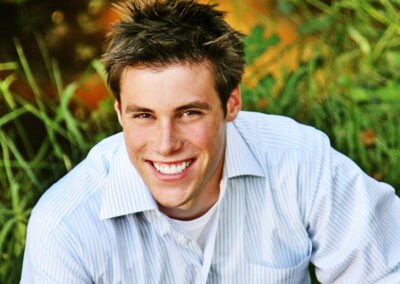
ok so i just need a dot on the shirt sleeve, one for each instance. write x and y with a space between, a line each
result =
47 260
354 224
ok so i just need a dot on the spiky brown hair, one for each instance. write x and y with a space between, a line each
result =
163 32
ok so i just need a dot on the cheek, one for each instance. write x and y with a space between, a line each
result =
136 139
207 137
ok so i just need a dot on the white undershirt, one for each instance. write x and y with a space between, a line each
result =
198 228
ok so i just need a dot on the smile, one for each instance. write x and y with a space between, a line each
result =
172 169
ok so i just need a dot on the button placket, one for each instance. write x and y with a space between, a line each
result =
158 222
184 241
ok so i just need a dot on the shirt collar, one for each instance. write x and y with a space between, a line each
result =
125 191
239 159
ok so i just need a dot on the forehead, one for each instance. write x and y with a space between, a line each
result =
205 66
170 84
189 67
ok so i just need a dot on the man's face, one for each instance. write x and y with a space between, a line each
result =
174 129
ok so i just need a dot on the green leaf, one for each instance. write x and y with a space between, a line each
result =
256 44
358 94
11 116
99 67
389 93
4 88
285 6
360 40
8 66
315 25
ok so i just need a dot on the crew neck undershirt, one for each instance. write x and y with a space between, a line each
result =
198 228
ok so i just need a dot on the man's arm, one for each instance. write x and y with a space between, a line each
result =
354 225
47 260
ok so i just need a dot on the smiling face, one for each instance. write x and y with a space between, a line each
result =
174 129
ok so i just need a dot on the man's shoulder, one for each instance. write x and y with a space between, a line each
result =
275 131
79 188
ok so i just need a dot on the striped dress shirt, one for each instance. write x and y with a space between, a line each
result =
287 198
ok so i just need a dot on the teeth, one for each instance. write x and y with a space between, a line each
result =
172 169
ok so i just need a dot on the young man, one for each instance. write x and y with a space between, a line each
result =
195 191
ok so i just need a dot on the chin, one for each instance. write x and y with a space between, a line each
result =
169 201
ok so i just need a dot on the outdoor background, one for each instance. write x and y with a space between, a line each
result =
331 64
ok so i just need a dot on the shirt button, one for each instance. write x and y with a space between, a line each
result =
183 241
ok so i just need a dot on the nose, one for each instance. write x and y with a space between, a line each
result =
168 140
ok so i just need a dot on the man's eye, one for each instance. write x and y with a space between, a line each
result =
190 112
142 115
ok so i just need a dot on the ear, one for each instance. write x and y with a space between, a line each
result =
117 107
233 105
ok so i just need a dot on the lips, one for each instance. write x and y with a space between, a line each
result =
172 168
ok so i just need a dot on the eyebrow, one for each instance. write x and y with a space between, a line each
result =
197 105
134 108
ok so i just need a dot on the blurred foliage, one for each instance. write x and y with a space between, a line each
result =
41 138
73 30
347 83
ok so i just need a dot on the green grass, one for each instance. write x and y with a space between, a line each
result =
41 138
348 87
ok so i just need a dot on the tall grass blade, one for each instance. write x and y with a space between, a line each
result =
4 89
7 144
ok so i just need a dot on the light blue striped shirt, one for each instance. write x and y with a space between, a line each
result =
287 198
